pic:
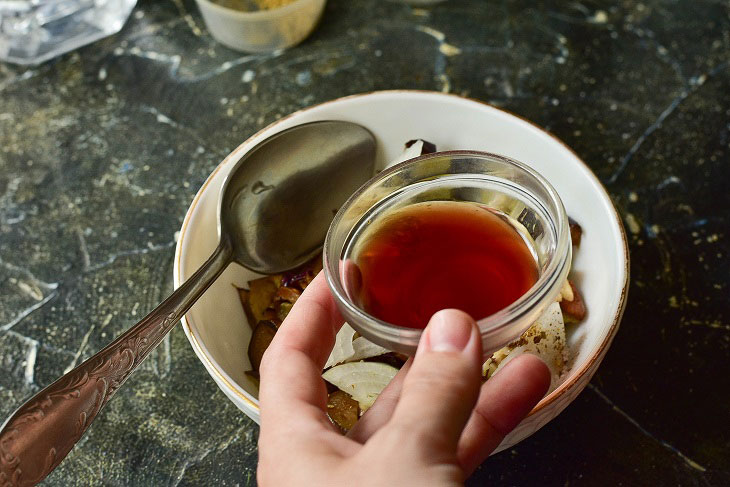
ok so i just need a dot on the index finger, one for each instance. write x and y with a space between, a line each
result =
291 369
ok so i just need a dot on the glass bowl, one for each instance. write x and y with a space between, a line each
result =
517 192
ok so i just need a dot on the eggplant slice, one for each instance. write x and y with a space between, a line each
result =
343 410
260 340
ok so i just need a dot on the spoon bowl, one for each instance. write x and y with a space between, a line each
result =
278 201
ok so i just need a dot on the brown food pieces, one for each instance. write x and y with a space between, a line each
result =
573 311
288 294
576 232
262 292
393 359
246 5
282 310
428 147
343 410
267 303
260 340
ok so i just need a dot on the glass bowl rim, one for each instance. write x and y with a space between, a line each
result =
489 324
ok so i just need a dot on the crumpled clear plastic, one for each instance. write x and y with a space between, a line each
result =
33 31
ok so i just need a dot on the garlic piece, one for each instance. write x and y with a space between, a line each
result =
566 292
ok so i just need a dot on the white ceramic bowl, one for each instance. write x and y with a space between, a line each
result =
262 30
216 326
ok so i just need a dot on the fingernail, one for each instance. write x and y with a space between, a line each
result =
449 331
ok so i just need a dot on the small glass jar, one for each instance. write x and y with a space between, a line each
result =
513 189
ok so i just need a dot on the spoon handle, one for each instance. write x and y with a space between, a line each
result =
35 439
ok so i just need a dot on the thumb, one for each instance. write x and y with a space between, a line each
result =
443 384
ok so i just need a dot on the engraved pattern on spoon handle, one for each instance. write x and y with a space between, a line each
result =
39 435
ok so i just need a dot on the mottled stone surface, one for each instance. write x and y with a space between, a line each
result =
102 150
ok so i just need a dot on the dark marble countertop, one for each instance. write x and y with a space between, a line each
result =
102 150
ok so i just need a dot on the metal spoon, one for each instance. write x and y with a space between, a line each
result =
273 214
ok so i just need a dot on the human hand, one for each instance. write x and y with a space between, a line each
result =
433 424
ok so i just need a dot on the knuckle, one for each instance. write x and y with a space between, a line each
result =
416 435
441 376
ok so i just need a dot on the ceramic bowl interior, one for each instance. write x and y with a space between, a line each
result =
216 326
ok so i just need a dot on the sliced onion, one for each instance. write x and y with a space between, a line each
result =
364 348
348 350
364 381
343 349
545 338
